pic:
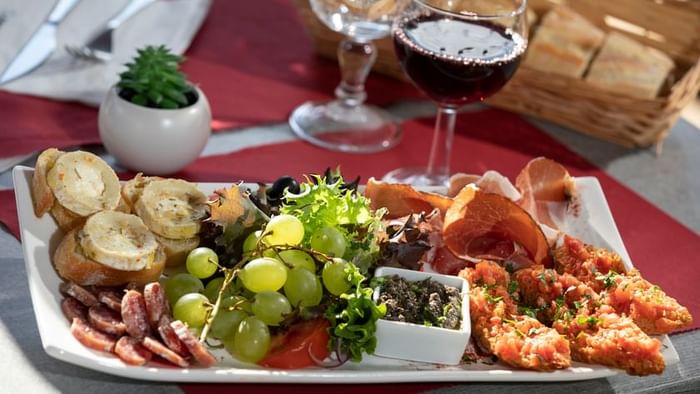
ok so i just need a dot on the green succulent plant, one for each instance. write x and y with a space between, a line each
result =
153 80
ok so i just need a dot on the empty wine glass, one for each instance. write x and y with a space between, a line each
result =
457 52
346 123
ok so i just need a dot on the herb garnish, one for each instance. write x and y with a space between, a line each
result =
587 320
607 279
353 317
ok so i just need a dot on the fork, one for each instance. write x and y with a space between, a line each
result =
99 48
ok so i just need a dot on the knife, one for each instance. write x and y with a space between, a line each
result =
40 46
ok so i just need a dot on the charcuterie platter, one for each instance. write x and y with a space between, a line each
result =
41 237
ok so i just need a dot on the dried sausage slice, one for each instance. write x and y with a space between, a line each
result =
112 299
78 292
156 303
170 339
90 337
131 351
200 353
134 314
106 320
165 353
72 308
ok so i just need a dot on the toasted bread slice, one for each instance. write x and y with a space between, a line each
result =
42 195
84 183
66 219
118 240
172 208
131 190
72 264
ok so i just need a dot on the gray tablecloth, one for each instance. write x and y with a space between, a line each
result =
670 181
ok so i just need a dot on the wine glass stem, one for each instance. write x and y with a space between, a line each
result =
441 148
355 59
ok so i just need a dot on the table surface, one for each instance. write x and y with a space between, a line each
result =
669 181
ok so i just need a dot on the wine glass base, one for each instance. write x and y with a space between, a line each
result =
416 176
332 125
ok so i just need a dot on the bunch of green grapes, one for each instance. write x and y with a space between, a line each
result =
279 277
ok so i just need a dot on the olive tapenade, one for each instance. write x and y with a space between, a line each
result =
424 302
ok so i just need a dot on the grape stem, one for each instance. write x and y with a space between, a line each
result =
229 276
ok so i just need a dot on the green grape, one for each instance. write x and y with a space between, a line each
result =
298 258
302 287
202 262
211 290
191 309
181 284
226 322
251 341
251 241
284 230
328 240
334 277
270 307
319 291
263 274
238 302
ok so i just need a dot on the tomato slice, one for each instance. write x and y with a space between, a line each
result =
291 350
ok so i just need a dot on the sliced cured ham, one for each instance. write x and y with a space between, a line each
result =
488 225
491 181
547 189
402 200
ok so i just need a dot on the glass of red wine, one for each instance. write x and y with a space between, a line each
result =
457 52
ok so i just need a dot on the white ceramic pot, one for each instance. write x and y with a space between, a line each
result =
154 141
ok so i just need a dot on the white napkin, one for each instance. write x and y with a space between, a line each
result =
172 23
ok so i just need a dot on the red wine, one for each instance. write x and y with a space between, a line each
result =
454 61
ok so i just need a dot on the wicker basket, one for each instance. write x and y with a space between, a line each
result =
672 26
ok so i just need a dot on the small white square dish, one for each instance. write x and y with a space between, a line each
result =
418 342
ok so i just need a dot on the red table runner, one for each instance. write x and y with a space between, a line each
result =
489 139
253 60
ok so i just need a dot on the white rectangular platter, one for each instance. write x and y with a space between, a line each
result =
40 236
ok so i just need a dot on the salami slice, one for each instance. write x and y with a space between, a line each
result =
198 351
134 314
78 292
156 303
170 339
131 351
165 353
112 299
106 320
73 308
90 337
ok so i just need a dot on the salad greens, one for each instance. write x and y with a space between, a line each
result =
354 317
320 204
